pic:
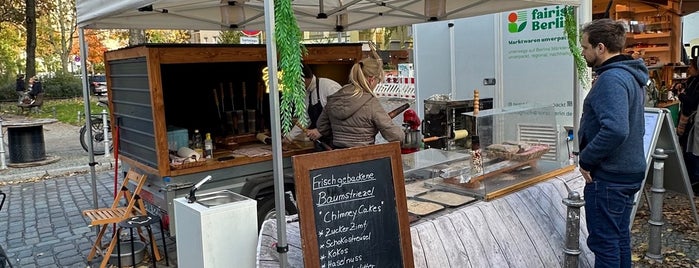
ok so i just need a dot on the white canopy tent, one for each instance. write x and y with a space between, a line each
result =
312 15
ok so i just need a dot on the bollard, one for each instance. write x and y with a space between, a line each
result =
53 112
656 207
105 134
572 246
80 118
3 165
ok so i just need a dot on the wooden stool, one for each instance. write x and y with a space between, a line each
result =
138 222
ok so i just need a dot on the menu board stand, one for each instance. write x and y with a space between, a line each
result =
660 134
352 208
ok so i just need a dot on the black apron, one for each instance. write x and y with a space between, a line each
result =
314 111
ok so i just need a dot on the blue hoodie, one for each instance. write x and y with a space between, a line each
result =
612 125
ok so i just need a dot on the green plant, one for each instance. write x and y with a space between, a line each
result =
288 38
571 31
62 85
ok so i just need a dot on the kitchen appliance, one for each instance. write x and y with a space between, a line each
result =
444 119
413 139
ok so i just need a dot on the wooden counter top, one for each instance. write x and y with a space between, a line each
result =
214 163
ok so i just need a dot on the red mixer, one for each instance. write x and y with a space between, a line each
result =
413 137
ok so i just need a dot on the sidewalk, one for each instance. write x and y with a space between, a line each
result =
41 223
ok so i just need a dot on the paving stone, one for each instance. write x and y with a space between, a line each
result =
32 241
71 260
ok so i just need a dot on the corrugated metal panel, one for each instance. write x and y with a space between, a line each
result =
541 134
130 94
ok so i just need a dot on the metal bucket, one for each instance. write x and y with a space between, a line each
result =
139 252
412 139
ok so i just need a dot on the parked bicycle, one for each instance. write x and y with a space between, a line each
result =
98 136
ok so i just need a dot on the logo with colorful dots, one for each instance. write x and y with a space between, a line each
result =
517 21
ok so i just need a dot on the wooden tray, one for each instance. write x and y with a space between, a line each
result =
187 165
490 171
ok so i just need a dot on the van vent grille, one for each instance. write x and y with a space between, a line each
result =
540 134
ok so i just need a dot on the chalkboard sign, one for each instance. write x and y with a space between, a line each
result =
353 208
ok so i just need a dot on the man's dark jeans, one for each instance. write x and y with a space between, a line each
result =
608 208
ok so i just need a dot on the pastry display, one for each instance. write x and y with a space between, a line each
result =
421 208
415 188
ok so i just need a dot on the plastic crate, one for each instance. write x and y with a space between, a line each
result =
177 137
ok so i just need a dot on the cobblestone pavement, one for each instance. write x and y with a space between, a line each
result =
41 223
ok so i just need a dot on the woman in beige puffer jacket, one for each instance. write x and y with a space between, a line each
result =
353 115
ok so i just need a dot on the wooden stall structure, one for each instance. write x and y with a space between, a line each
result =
159 94
155 86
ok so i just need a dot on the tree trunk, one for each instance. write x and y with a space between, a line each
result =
31 37
67 24
136 37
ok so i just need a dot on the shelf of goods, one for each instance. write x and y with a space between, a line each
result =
652 32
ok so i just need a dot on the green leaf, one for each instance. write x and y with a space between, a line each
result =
521 27
571 32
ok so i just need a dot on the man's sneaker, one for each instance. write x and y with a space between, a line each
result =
32 102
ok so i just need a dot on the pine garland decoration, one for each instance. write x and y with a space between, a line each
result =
287 35
571 31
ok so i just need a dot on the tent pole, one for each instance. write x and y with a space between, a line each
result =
86 101
275 130
452 57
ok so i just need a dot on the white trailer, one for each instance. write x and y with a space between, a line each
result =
514 57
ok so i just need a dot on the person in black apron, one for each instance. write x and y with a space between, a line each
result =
314 109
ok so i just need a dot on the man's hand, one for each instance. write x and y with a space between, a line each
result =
586 175
313 134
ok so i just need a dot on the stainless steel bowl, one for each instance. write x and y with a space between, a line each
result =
139 252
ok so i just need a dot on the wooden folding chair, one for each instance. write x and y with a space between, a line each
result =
103 217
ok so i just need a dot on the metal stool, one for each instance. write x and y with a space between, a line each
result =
137 222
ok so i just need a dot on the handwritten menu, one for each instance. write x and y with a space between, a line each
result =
352 207
354 210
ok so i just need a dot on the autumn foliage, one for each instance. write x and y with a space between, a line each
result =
95 47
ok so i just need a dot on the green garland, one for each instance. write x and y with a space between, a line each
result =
571 31
288 38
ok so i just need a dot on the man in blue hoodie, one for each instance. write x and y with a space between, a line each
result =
611 157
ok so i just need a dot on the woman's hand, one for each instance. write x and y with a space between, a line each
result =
313 134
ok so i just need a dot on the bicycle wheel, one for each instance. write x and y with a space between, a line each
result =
97 138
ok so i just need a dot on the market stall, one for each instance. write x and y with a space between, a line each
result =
255 14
